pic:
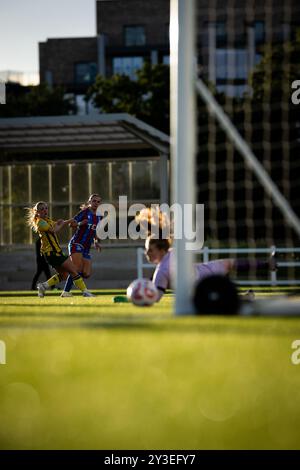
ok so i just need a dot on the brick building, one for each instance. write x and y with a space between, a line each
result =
71 62
133 31
230 41
128 33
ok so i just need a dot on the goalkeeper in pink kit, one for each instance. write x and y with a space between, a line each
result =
159 252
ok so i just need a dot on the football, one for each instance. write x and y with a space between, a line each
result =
142 292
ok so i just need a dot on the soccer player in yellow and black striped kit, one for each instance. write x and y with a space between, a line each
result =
38 220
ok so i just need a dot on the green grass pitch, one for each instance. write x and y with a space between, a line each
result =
90 374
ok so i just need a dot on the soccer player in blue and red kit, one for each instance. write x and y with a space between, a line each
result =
85 223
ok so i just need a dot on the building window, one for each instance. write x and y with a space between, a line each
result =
85 73
127 66
233 91
231 64
259 32
258 58
134 35
221 33
49 78
232 71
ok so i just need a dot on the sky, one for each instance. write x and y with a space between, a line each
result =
25 23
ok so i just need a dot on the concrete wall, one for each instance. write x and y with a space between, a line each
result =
112 268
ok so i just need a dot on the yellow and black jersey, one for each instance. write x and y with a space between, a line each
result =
49 240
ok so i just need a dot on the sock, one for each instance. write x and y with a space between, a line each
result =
53 280
68 284
243 265
79 282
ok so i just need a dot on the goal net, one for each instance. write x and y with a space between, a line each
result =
247 161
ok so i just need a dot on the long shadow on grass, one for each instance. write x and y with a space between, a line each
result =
259 290
58 305
57 293
201 325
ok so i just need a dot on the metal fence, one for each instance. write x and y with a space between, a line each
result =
207 252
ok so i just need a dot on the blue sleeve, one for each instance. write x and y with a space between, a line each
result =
80 216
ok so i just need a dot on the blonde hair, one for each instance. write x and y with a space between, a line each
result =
31 216
157 224
86 204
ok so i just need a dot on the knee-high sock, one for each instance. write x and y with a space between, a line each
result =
79 282
56 279
69 283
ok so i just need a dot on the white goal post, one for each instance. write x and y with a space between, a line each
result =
183 138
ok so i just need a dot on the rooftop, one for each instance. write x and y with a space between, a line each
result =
102 132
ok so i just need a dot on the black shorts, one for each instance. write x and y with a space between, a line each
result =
56 259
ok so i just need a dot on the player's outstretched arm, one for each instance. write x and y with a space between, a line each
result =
70 222
58 226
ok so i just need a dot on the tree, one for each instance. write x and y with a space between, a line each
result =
271 82
278 68
38 100
147 97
